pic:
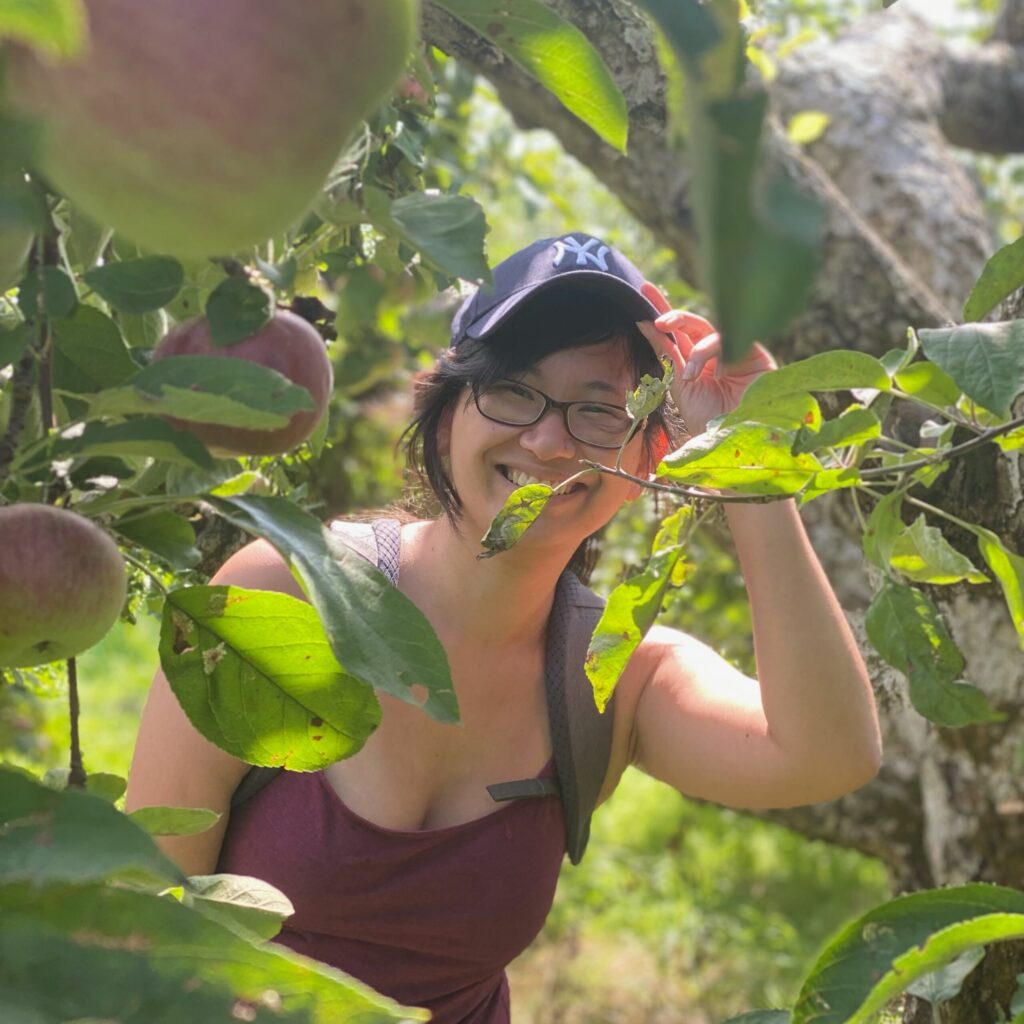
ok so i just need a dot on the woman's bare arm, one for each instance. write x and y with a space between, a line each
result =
806 730
173 764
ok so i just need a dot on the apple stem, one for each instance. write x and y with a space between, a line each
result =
76 773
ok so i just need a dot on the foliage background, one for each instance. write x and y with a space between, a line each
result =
681 912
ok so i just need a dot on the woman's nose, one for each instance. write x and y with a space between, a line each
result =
549 437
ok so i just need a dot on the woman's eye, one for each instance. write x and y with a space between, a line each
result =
607 412
512 389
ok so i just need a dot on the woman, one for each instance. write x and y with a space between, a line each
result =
401 870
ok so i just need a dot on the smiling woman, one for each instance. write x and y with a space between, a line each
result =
416 865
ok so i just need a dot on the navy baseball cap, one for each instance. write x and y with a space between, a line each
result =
577 261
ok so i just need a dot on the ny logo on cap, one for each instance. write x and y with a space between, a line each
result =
582 252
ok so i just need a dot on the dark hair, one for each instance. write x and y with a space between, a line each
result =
555 320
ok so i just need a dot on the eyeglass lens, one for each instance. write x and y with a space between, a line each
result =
519 405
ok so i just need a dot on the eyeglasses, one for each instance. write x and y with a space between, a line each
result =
518 405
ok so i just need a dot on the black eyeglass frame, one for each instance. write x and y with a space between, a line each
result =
562 407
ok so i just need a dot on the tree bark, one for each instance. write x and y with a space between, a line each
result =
906 237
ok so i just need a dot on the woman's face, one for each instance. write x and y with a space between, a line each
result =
490 460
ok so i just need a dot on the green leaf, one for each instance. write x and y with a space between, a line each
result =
105 785
174 821
650 393
751 458
906 629
854 426
237 309
85 239
557 54
986 361
829 480
688 26
89 353
520 511
144 437
1003 275
245 905
255 674
873 959
207 389
632 608
280 275
840 370
928 382
56 27
789 411
944 984
1009 570
923 555
168 536
447 230
14 343
71 836
155 956
759 233
140 285
376 632
47 291
884 527
807 126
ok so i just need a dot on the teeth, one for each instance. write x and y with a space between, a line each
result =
521 479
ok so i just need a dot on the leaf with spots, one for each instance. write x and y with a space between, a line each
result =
634 605
256 675
752 458
517 515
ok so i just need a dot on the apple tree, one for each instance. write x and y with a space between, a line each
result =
204 218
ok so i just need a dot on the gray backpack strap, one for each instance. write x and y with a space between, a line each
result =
380 542
580 735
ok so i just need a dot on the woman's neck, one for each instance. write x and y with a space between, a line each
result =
504 600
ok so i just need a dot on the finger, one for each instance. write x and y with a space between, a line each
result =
703 352
653 294
683 320
664 345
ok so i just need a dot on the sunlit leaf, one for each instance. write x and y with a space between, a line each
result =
516 516
923 555
928 382
854 426
751 458
632 608
174 821
807 126
57 27
944 984
376 632
554 52
256 675
1009 570
874 958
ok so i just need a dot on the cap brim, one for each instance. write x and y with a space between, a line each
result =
622 293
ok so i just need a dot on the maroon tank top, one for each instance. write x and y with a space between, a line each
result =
430 918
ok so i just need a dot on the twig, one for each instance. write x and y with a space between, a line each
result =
690 492
953 453
76 771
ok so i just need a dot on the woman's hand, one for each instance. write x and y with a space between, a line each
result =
703 387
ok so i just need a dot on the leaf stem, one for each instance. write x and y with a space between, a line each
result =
76 769
139 564
945 456
690 492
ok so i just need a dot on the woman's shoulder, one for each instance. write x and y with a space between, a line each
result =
257 566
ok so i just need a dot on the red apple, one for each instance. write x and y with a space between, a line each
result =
200 127
62 584
287 344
